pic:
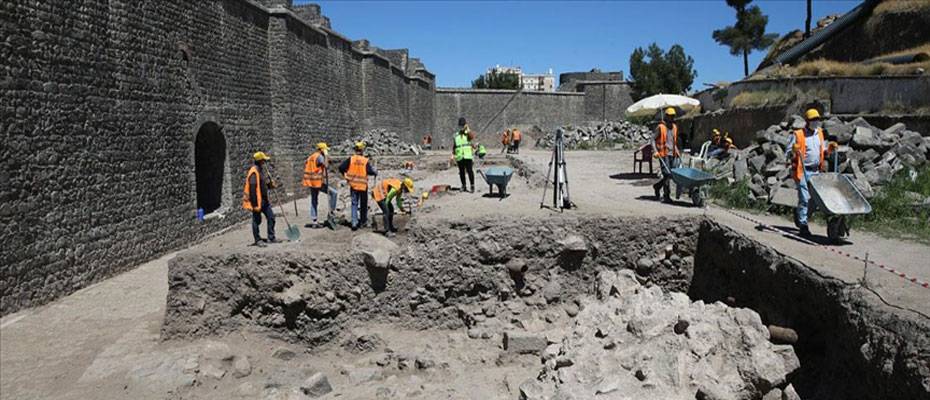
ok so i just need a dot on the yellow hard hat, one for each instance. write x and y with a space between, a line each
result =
260 156
322 146
670 111
359 145
730 141
425 195
811 114
408 183
716 132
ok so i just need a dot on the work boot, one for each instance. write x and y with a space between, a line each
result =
274 241
258 243
390 234
354 228
805 231
313 225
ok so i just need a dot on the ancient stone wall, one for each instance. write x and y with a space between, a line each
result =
605 100
122 116
849 95
545 110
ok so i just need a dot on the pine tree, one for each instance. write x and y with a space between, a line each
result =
748 34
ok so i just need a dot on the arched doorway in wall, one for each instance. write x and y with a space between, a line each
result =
209 166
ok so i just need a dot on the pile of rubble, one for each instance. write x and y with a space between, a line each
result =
378 141
639 342
599 134
871 156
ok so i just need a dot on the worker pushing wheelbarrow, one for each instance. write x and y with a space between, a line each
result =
690 180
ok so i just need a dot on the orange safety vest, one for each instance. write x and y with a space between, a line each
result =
381 191
798 160
357 175
247 191
505 138
313 172
517 135
661 148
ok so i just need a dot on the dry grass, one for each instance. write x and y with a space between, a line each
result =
761 98
901 6
824 67
924 48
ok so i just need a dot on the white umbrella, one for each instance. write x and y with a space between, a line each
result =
661 101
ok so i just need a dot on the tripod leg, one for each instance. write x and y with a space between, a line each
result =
546 185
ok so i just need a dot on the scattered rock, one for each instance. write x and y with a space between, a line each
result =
552 292
284 354
376 250
681 327
598 134
364 375
571 310
316 385
789 393
782 335
212 371
524 343
242 367
363 343
644 266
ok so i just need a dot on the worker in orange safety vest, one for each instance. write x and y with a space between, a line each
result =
357 169
516 138
316 177
384 193
255 198
806 152
666 145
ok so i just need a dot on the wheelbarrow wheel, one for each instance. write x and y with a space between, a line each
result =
836 228
697 198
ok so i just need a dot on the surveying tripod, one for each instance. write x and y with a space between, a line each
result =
559 174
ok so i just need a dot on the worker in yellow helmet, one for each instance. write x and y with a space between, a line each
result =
666 145
255 197
388 190
316 177
806 152
357 170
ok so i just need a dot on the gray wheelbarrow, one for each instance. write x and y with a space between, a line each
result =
838 198
690 180
497 176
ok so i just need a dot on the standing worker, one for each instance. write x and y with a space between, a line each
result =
255 198
462 152
356 170
505 140
667 149
807 150
316 177
389 190
515 142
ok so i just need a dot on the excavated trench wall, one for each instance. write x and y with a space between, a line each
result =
308 296
851 344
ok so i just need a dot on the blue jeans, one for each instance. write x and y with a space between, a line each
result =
257 221
804 197
315 197
359 206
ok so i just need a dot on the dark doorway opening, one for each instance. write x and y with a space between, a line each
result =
210 166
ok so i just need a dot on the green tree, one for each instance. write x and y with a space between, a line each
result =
655 71
495 80
748 34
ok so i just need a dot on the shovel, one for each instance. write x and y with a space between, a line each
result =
293 234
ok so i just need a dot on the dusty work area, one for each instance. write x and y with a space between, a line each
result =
487 297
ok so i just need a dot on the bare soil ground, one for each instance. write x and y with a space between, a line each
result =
103 341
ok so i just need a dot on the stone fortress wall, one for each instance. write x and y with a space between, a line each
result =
123 117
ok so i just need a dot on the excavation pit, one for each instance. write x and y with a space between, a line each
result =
534 282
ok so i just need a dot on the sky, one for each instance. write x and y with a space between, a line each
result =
459 40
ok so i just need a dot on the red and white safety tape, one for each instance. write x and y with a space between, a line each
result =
902 275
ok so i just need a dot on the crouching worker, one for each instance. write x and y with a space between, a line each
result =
316 177
391 190
255 198
807 151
